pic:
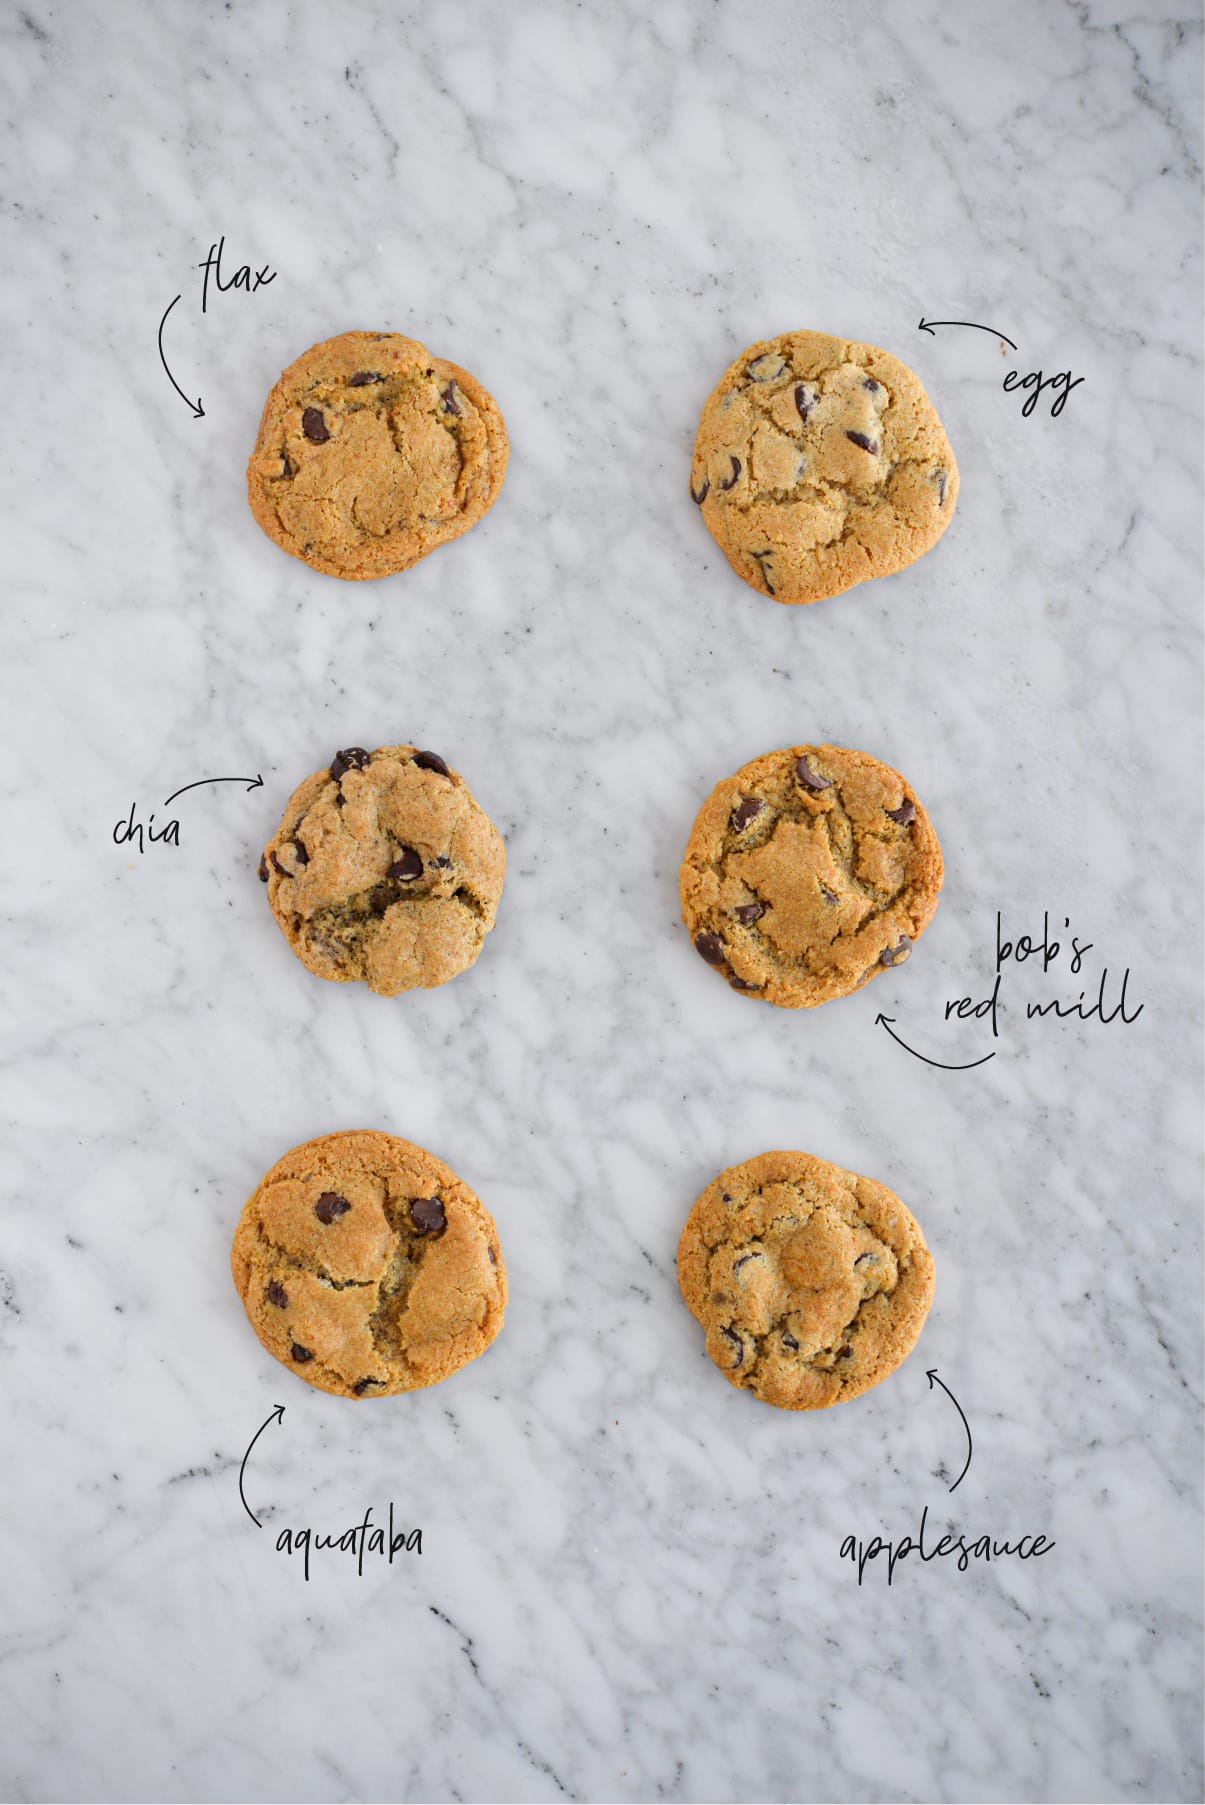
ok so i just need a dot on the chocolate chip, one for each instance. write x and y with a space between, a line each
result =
867 444
892 955
408 867
263 870
736 983
362 378
445 864
760 558
493 1256
353 758
330 1206
287 469
431 761
703 493
277 1294
766 368
361 1385
710 947
448 397
279 866
863 1257
748 809
303 857
805 401
340 799
940 479
809 778
845 1353
870 385
750 912
904 814
744 1260
725 1196
314 426
788 1340
827 894
737 1343
428 1214
301 1354
736 470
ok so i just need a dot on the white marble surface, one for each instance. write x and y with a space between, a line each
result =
629 1587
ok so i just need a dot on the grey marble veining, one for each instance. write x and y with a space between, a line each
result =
630 1585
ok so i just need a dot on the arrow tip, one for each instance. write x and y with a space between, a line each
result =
279 1413
931 1374
198 412
258 785
925 328
886 1020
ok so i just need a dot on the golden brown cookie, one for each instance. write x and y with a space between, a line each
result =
371 453
820 463
385 869
811 1283
807 874
367 1267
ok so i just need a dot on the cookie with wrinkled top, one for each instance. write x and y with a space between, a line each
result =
385 870
812 1284
808 873
367 1267
820 463
371 453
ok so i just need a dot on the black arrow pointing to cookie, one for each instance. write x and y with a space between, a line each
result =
931 1375
928 325
887 1021
252 783
278 1414
197 410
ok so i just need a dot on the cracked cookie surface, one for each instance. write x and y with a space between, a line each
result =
367 1267
371 453
385 870
808 873
820 463
812 1284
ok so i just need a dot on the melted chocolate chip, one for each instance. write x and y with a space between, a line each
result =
940 480
703 493
738 1344
810 779
340 799
845 1353
301 1354
287 469
710 947
431 761
744 1260
303 857
725 1196
867 444
892 955
805 401
493 1256
279 866
263 870
748 809
314 426
870 385
448 397
766 368
445 864
428 1215
408 867
736 470
904 814
361 1385
330 1206
353 758
362 378
788 1340
277 1294
739 984
828 895
760 560
863 1257
750 912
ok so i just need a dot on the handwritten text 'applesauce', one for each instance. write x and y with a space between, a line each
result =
1102 999
960 1548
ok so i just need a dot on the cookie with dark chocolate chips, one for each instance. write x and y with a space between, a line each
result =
826 883
811 1284
820 463
385 870
367 1267
371 453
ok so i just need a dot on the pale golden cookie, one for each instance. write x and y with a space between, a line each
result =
819 463
367 1267
812 1284
807 874
384 869
371 453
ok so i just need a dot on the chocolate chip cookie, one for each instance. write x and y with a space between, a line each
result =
812 1284
807 874
367 1267
371 453
385 870
820 463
